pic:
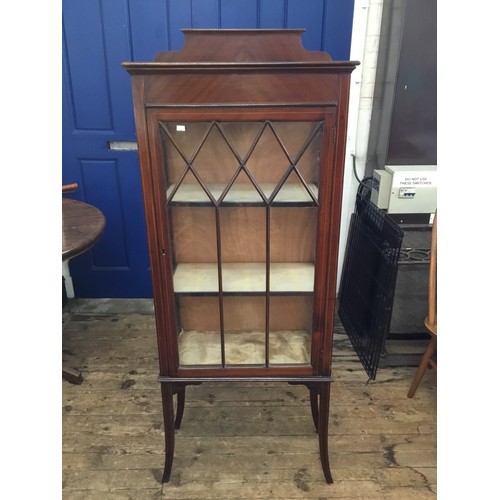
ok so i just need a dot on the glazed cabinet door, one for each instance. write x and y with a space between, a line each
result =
240 200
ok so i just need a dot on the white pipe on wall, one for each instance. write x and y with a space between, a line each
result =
364 48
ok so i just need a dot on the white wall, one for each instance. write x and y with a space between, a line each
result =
364 48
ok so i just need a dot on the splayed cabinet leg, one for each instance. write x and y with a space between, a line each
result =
324 407
319 398
313 398
181 398
168 421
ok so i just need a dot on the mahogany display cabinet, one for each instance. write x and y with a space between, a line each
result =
241 137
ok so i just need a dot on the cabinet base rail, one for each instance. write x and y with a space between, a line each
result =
319 397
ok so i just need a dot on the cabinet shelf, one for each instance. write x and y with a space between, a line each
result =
291 194
244 348
241 278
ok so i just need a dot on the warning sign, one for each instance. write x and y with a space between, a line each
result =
414 179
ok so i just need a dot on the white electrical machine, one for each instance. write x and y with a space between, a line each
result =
405 189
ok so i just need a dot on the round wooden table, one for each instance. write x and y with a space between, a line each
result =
82 226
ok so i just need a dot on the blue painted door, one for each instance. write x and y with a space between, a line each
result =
98 35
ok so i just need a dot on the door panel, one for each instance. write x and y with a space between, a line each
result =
98 35
97 109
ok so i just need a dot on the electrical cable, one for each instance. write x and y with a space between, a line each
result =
362 182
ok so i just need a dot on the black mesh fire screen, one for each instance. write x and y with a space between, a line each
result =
368 281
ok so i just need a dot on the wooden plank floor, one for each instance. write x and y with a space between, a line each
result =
236 441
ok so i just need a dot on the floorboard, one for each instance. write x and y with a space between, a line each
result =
236 441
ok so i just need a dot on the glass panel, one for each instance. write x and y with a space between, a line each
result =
199 335
194 262
244 330
180 142
215 162
242 136
242 204
294 135
268 162
293 234
290 329
307 165
302 143
188 192
243 250
243 235
187 137
192 235
295 191
292 283
243 191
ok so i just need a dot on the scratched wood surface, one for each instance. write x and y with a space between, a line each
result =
236 441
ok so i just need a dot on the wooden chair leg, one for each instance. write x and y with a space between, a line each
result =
424 365
71 375
168 421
